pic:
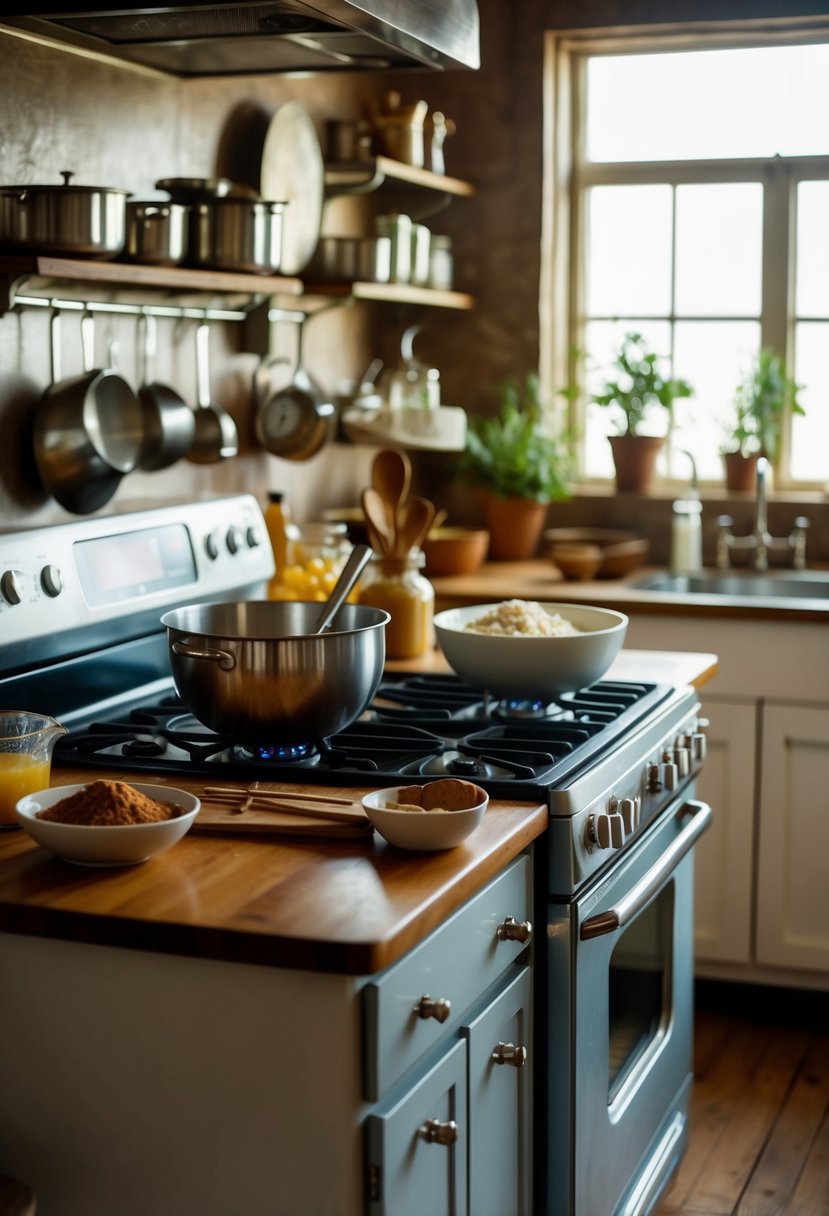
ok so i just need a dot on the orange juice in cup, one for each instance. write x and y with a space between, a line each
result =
26 743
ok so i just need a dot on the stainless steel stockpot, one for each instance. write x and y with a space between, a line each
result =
237 234
344 258
89 221
157 233
254 671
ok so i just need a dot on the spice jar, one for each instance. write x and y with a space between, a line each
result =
277 522
396 585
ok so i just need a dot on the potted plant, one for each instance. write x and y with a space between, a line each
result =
637 387
521 462
763 397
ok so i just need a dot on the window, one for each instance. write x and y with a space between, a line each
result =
699 217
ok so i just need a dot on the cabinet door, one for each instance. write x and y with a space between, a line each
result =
410 1170
722 912
500 1121
792 904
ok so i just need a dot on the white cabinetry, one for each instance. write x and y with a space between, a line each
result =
762 899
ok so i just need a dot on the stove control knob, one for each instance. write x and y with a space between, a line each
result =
51 581
629 812
254 537
211 546
608 831
670 772
11 586
682 760
653 778
699 745
233 540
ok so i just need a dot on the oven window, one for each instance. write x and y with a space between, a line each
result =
640 995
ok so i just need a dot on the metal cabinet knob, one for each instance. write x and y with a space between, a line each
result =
512 930
433 1007
508 1053
435 1132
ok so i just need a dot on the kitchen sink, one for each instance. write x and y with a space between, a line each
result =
741 584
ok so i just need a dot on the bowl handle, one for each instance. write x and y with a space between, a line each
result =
225 660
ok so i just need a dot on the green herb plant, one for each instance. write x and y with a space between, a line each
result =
638 386
517 453
763 397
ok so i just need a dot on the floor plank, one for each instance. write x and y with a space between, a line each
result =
759 1129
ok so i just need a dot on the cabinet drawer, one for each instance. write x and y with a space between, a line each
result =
455 964
407 1175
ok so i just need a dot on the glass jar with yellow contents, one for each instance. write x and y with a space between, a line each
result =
396 585
315 555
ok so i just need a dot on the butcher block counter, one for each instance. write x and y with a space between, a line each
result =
345 906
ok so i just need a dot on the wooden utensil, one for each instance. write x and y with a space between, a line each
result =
415 518
391 476
237 800
258 810
377 527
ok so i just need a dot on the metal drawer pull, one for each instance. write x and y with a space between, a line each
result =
640 895
438 1008
435 1132
508 1053
512 930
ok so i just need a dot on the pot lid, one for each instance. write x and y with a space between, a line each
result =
204 189
292 169
65 188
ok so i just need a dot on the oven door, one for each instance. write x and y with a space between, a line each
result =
621 961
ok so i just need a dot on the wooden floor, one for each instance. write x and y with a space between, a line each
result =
759 1142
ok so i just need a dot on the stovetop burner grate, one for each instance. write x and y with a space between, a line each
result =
419 726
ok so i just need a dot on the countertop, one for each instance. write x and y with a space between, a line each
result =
344 906
540 579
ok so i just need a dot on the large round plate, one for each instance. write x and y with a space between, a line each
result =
292 172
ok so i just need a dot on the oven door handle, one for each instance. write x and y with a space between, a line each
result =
643 892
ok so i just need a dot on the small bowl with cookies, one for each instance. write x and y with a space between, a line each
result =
439 814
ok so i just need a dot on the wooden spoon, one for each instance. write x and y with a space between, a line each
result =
414 521
391 476
374 509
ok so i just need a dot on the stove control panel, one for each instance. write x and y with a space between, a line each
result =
113 568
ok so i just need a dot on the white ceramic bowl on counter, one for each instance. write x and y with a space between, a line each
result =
117 845
428 831
525 666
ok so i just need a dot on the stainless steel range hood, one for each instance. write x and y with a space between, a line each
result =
243 37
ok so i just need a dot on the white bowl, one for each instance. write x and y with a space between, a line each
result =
526 667
121 845
428 831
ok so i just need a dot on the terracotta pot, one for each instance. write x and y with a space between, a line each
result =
740 472
635 459
515 526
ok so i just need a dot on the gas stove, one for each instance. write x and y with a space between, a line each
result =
416 727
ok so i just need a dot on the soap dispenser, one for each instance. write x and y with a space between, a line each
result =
686 530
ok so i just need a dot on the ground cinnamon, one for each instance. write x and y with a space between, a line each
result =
109 804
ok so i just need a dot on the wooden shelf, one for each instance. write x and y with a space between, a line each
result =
392 293
363 177
41 274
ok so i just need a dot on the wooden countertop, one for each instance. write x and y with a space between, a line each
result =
539 579
343 906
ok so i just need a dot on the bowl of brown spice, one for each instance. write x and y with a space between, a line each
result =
107 823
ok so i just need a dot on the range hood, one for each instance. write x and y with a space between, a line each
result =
244 37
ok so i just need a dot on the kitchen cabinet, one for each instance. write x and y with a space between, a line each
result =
761 909
186 1056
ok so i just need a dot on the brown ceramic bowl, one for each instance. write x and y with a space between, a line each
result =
577 561
455 550
622 552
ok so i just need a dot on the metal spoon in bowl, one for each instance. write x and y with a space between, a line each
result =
215 437
351 571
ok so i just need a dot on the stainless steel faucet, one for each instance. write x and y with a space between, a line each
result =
759 541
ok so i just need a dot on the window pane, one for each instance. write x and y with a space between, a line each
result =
810 434
602 340
628 250
713 357
719 248
812 249
763 101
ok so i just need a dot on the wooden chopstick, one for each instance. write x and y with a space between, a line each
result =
343 812
257 788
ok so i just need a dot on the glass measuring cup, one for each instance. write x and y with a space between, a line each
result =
26 743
